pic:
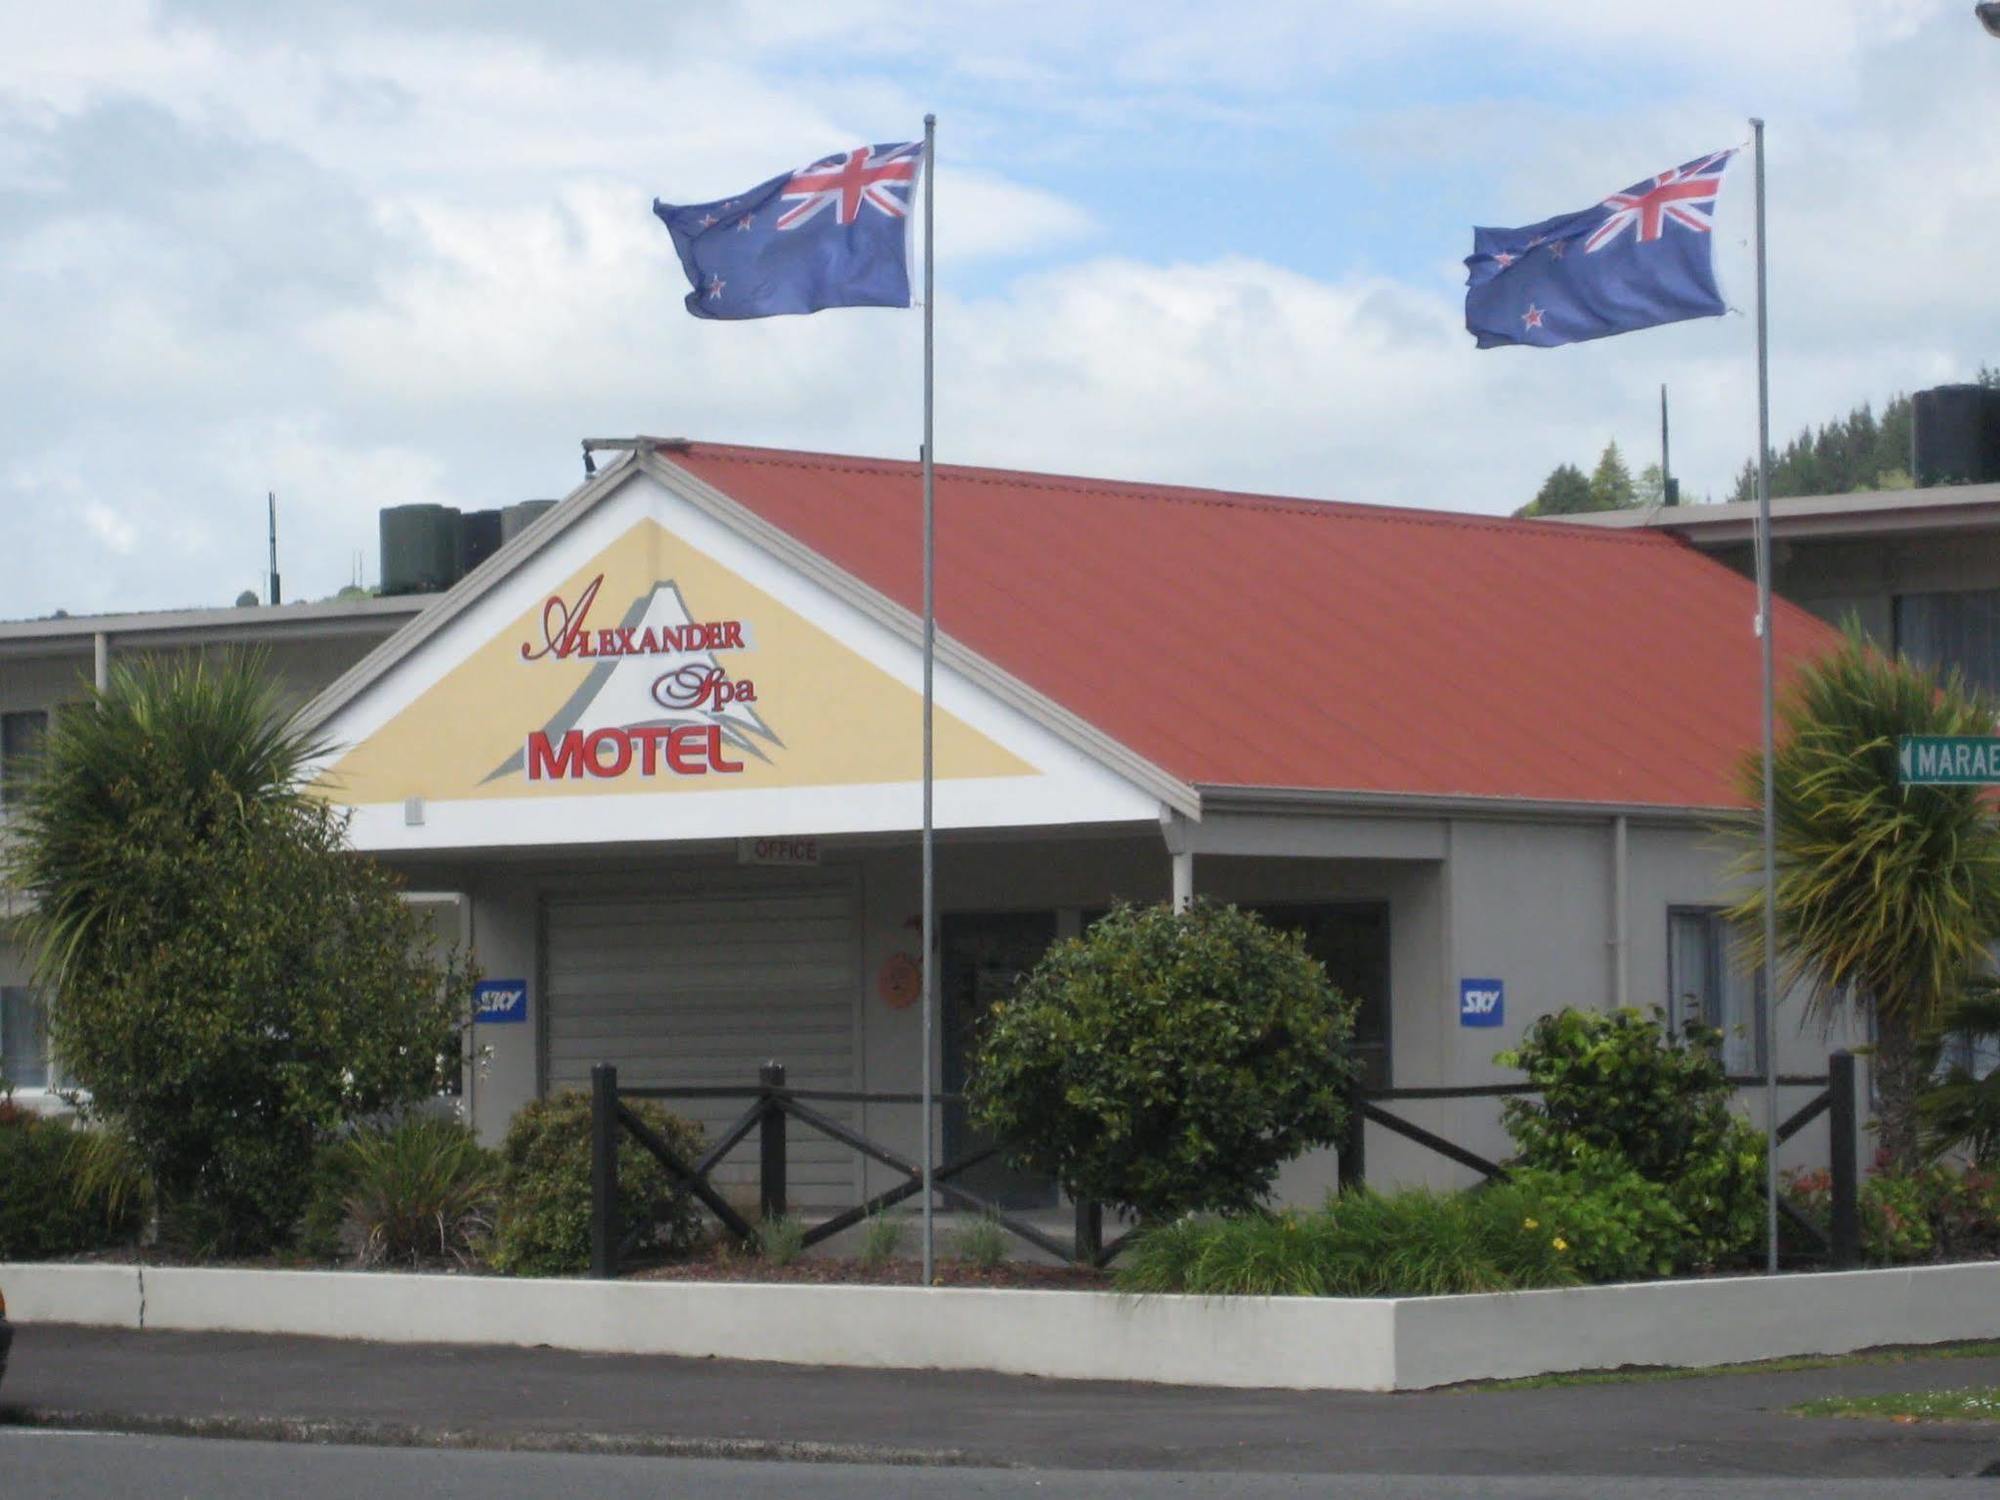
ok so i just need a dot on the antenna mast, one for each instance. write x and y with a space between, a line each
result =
271 500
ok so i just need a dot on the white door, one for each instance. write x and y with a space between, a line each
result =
701 979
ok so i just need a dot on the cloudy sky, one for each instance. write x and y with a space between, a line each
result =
371 253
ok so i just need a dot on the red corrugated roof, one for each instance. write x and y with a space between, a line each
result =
1245 640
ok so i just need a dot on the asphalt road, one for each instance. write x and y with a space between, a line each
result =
1724 1427
90 1466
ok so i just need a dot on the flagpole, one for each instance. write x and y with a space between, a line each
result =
1764 563
929 965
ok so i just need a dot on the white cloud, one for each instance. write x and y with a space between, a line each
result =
367 254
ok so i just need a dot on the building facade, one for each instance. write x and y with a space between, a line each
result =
657 763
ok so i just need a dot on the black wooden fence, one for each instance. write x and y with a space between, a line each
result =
1841 1243
772 1106
771 1109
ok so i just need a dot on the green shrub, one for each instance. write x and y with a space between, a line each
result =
416 1190
781 1239
232 983
47 1207
982 1243
1615 1225
543 1226
1167 1062
1618 1082
882 1241
1361 1244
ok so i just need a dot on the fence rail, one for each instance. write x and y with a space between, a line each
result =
771 1107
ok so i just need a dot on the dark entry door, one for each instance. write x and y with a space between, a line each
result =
1352 940
985 956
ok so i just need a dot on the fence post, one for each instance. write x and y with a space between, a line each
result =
1089 1232
1842 1144
771 1145
603 1171
1352 1147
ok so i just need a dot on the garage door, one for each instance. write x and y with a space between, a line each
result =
702 981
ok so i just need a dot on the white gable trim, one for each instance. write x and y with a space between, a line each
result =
878 608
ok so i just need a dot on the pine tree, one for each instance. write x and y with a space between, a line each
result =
1650 488
1855 453
1611 484
1564 493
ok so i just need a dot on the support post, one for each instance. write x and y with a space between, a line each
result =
1842 1143
1764 568
930 959
101 661
1183 880
603 1171
1352 1149
771 1145
1089 1232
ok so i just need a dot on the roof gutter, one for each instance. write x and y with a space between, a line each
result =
1332 803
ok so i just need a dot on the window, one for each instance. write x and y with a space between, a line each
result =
1959 630
1709 980
21 734
24 1038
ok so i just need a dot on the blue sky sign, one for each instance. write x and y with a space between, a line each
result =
1948 760
498 1002
1482 1002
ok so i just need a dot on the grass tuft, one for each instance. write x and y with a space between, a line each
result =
982 1243
781 1239
882 1241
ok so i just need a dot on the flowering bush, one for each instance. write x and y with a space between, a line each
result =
1620 1082
1615 1225
1895 1217
1963 1209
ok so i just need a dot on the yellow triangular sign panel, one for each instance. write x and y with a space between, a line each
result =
654 669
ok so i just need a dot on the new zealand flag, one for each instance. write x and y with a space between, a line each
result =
1641 257
834 234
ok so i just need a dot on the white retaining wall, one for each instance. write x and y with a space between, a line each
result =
1302 1343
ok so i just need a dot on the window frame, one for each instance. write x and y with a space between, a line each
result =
54 1082
1718 931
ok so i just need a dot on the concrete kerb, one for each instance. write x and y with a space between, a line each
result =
1240 1342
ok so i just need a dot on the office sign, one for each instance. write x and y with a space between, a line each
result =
1948 760
500 1002
777 851
1482 1002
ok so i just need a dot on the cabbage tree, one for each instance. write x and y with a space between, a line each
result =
1888 896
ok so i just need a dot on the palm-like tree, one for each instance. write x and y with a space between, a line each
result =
1888 896
184 739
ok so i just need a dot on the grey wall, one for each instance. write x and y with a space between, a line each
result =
1530 903
1839 577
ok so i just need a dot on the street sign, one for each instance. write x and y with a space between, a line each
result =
1948 760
